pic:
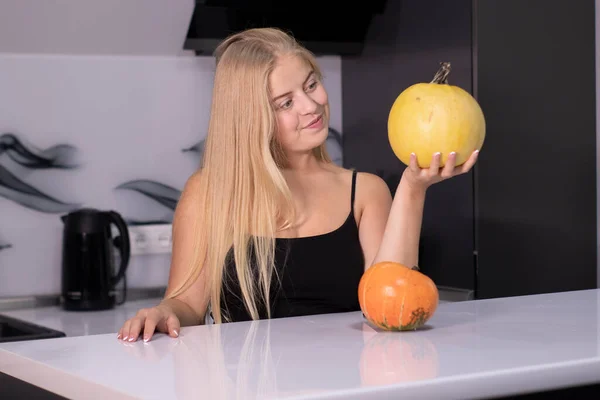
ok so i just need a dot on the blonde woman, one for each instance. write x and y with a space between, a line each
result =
269 227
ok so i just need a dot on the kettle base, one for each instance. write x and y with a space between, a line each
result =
88 304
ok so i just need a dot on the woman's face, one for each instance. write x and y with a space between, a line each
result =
301 105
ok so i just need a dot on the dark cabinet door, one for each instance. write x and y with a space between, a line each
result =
536 178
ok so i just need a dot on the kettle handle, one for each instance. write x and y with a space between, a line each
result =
124 247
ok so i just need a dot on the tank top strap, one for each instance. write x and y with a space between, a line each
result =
353 194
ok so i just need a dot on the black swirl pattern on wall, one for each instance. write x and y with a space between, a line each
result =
159 192
196 148
59 156
14 187
334 138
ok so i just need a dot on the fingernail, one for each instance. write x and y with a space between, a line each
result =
119 336
146 338
125 337
175 332
453 153
476 151
437 154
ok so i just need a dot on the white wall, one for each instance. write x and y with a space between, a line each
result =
128 118
92 27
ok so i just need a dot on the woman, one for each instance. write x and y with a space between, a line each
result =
269 227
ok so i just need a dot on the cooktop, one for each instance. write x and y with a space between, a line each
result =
12 330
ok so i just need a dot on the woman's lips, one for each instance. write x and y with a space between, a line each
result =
316 123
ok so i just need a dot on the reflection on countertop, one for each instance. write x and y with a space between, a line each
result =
277 358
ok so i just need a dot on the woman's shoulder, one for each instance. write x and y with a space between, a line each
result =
370 188
191 193
366 182
194 182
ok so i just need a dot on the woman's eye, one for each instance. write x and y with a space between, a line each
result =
312 86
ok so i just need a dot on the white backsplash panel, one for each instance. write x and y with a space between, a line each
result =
120 133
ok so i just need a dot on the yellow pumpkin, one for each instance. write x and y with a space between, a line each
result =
427 118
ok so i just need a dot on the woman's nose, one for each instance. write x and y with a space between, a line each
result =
309 105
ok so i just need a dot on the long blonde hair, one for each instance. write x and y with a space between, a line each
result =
245 198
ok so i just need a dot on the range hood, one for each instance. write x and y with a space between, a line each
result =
175 27
322 30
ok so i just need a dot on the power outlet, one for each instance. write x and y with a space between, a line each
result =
151 239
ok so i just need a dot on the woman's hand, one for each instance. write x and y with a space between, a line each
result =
421 179
147 320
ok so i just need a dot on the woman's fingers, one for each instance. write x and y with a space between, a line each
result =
150 325
124 333
435 173
135 328
466 167
173 325
449 167
413 164
434 167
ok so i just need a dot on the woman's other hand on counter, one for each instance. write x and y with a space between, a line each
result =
148 320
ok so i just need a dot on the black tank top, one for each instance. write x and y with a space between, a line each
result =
319 274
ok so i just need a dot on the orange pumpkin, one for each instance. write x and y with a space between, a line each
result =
394 297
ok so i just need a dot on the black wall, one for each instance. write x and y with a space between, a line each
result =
405 45
524 221
536 177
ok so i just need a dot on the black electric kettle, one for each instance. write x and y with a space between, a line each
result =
88 259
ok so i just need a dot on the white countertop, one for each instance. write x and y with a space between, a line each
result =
469 349
81 323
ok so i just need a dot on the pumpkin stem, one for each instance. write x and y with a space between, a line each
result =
441 76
